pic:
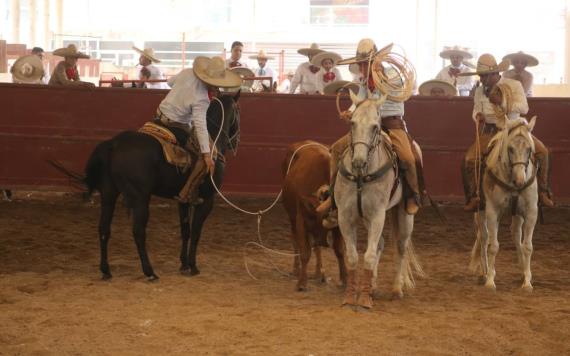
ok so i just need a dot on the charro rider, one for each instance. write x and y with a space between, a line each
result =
450 74
489 103
392 113
185 108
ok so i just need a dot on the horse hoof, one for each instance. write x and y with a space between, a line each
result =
351 307
481 280
491 286
363 309
397 295
152 278
186 271
194 271
106 276
376 295
527 288
301 288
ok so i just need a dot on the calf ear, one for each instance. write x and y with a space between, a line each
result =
531 124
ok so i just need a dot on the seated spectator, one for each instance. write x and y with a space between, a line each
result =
520 61
146 60
306 77
328 72
27 69
38 51
235 56
65 72
264 71
450 73
285 85
437 88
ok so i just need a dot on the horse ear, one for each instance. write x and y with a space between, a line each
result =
356 99
236 97
378 102
531 124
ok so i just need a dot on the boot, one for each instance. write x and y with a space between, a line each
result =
544 194
365 297
469 187
189 193
351 288
472 205
545 199
412 205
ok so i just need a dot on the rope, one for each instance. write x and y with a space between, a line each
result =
478 162
398 84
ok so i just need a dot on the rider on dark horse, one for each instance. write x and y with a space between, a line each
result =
185 107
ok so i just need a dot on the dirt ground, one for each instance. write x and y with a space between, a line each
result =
52 301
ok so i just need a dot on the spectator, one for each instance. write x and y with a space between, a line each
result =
328 72
146 60
451 73
263 71
520 61
437 88
235 56
28 69
65 72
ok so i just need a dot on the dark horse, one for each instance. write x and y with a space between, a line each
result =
133 164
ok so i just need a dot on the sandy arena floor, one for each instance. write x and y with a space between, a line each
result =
52 301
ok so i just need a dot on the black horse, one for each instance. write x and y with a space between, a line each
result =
133 164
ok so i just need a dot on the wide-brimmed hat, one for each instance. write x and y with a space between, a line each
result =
487 64
531 61
426 87
69 51
213 71
455 51
365 51
244 72
354 68
310 51
27 69
261 55
148 53
318 59
334 87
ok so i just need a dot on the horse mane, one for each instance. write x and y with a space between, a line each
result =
499 142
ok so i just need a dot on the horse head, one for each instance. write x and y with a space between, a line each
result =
519 150
365 128
228 121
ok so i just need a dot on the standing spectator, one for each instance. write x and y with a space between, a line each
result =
306 77
264 71
146 60
38 51
520 61
328 72
235 56
285 85
451 73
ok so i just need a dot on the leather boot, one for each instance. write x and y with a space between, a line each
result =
544 199
544 194
351 288
189 193
412 205
365 297
469 187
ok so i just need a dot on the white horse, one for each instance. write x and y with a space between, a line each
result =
363 188
509 182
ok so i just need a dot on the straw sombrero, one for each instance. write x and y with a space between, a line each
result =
354 69
148 53
531 61
69 51
426 87
318 59
27 69
365 51
213 71
455 51
487 64
261 55
311 51
244 72
334 87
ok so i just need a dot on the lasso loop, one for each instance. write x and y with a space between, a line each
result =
393 74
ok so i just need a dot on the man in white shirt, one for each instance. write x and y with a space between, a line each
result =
450 74
146 60
328 73
235 56
185 108
487 102
306 77
264 71
520 61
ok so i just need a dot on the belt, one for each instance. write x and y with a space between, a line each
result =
169 122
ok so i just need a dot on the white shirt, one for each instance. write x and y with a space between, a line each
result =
284 86
525 77
484 106
239 63
463 84
155 73
389 107
188 103
321 80
307 80
264 72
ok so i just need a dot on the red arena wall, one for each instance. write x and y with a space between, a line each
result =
39 123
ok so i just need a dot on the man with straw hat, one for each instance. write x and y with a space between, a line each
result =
185 108
65 72
328 73
146 60
496 99
28 69
306 76
437 88
263 71
450 74
392 113
520 61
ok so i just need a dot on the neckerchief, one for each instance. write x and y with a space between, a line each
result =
329 77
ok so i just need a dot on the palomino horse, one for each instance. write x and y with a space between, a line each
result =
509 182
133 164
364 189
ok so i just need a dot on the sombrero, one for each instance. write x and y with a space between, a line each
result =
455 51
353 68
27 69
148 53
213 71
69 51
310 51
365 50
334 87
531 61
426 87
244 72
318 59
487 64
261 55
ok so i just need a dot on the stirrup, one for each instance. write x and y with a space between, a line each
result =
472 205
545 199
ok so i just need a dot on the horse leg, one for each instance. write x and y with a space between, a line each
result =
319 273
348 230
477 265
371 257
140 220
338 247
199 216
493 219
184 216
516 234
108 200
305 252
296 258
402 238
528 229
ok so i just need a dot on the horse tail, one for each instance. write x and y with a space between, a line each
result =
412 266
475 263
76 179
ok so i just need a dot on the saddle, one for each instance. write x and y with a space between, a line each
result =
173 153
